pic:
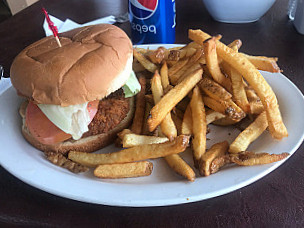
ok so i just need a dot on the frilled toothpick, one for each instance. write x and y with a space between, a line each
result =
52 27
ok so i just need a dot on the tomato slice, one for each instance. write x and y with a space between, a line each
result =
43 130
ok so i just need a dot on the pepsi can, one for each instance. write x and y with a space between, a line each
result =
152 21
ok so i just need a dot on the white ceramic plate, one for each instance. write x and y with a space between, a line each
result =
163 187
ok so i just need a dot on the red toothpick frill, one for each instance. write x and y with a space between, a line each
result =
52 27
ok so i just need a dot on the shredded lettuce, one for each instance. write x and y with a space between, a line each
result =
132 86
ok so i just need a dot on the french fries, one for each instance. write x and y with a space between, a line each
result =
248 158
235 45
187 128
256 106
169 100
217 150
199 126
228 108
145 127
137 153
131 140
237 87
226 121
263 63
164 75
214 90
133 169
183 73
147 64
188 67
177 66
254 78
157 56
142 51
137 67
138 119
219 162
180 166
204 73
177 122
167 125
212 63
212 116
251 133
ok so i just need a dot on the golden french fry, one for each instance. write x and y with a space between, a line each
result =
214 90
137 67
199 126
145 127
133 169
213 65
238 87
131 140
175 48
180 166
174 96
157 56
193 45
142 51
187 128
228 108
167 125
256 106
187 67
216 150
202 60
178 123
186 52
164 75
177 66
251 133
212 116
174 55
137 153
251 94
185 73
248 158
235 45
263 63
144 61
171 63
140 108
219 162
226 121
123 133
254 78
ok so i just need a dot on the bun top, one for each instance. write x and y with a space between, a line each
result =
93 62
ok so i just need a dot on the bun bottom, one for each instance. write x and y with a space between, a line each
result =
87 144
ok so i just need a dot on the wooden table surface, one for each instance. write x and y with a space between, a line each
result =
276 200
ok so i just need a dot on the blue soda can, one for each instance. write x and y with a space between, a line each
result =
152 21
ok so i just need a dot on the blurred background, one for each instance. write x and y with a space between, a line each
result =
11 7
